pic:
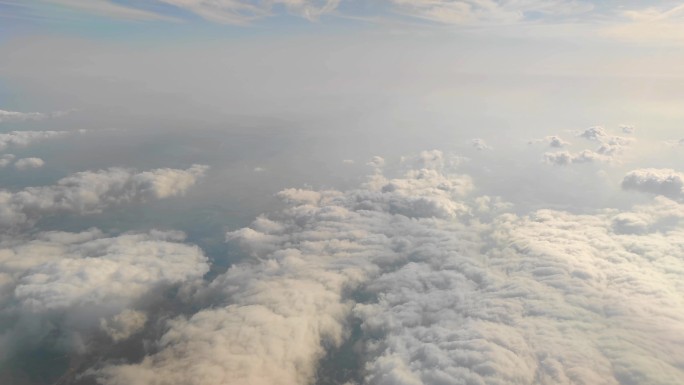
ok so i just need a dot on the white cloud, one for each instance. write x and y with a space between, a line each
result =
27 163
555 141
594 133
81 282
552 141
609 150
272 319
448 295
563 158
666 182
92 191
16 116
24 138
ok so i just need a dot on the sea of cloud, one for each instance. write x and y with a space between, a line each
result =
431 278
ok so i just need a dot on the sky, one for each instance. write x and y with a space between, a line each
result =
341 192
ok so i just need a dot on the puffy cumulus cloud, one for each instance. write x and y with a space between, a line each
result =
27 163
271 320
614 145
84 282
92 191
564 158
594 133
609 144
666 182
469 296
609 150
555 141
244 11
24 138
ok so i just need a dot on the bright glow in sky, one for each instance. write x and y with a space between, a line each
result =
341 192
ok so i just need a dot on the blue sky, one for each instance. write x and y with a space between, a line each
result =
631 20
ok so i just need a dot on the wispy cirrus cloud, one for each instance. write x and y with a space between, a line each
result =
109 9
244 11
487 11
653 23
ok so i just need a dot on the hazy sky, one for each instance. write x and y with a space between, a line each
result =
341 192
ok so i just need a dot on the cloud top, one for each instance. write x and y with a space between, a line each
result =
666 182
92 191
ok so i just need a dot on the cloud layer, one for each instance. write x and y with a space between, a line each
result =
447 287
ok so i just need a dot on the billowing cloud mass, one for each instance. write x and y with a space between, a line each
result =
446 287
81 282
92 191
27 163
666 182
